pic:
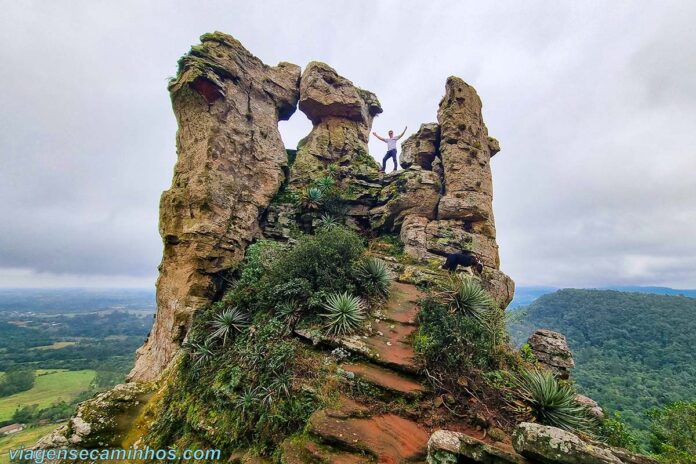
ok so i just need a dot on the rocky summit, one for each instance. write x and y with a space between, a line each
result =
303 315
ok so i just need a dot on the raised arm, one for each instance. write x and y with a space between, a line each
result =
375 134
402 134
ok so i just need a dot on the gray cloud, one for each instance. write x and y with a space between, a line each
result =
594 104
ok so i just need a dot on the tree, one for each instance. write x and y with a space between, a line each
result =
673 431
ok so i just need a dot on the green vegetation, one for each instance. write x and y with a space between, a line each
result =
228 322
633 352
673 433
260 384
24 438
374 277
344 313
16 380
50 387
552 402
464 294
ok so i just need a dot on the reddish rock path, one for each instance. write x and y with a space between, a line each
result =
350 432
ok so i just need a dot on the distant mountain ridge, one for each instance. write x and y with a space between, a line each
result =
633 350
526 295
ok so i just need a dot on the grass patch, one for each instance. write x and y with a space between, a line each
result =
24 438
49 388
55 346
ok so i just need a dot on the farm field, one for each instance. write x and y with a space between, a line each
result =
50 387
25 438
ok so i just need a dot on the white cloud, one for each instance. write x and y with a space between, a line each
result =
594 105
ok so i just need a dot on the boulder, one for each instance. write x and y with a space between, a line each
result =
341 115
102 421
448 447
411 192
421 148
592 406
453 236
555 446
324 94
551 349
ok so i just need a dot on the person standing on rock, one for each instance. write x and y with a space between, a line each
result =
391 148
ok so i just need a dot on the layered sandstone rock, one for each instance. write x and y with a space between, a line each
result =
341 115
466 155
230 165
335 149
421 148
551 349
551 445
457 151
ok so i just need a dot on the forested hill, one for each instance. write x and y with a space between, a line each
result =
633 351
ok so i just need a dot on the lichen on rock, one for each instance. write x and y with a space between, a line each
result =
230 165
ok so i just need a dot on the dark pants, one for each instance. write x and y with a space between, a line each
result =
390 154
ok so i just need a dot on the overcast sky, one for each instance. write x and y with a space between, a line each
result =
594 104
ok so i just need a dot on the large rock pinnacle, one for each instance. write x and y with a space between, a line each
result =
230 165
341 115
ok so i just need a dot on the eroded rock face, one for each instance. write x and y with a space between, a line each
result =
552 445
341 115
230 165
551 349
457 150
592 406
411 192
448 447
421 148
102 421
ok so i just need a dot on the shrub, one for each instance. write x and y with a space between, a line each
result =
261 390
229 321
673 430
552 402
201 353
324 260
325 183
465 295
451 342
373 277
344 313
615 432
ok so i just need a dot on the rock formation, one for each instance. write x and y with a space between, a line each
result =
541 443
102 421
551 349
458 151
341 115
230 165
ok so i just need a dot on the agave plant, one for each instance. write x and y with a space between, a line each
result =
228 322
200 353
374 276
464 294
344 313
311 198
325 183
551 402
327 221
289 313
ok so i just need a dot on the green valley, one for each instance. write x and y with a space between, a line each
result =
633 352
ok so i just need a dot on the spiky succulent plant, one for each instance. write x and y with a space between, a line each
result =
344 313
552 402
228 322
464 294
374 276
